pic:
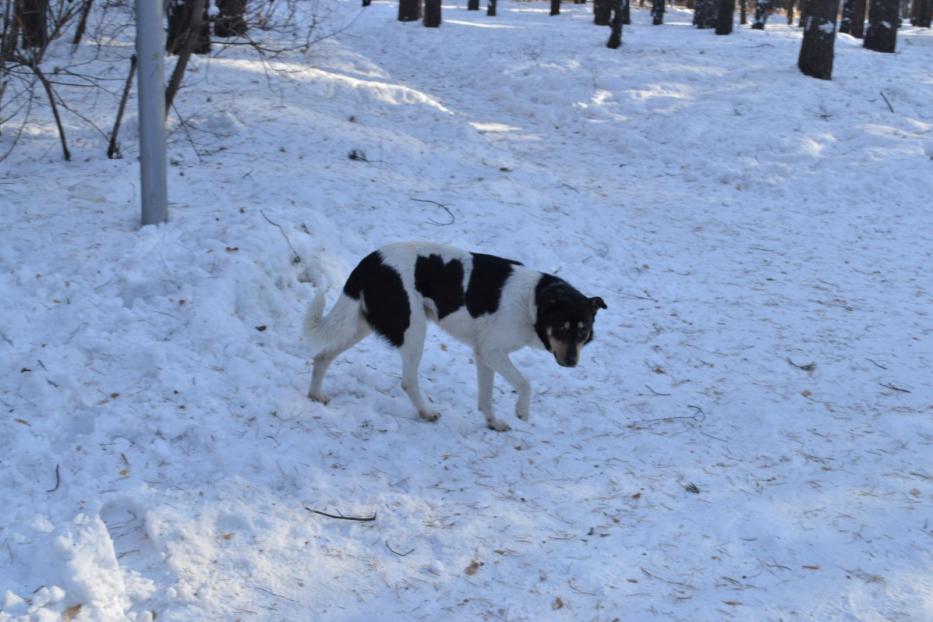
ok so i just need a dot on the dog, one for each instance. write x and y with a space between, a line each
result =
494 305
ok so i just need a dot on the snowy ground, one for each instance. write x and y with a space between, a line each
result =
749 437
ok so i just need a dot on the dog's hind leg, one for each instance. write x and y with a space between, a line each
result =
323 359
411 350
499 362
484 379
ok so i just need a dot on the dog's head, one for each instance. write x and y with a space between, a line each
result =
565 319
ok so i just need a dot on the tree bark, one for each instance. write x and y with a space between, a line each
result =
657 12
819 37
473 5
743 12
615 35
705 13
33 18
921 16
187 44
724 17
432 13
804 9
602 12
882 26
790 12
409 10
82 22
762 11
490 8
858 19
845 24
231 18
555 7
184 25
626 13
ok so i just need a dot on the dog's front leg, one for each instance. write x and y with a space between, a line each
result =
484 377
499 362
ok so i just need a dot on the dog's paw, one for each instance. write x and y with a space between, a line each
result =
498 426
319 397
429 415
522 412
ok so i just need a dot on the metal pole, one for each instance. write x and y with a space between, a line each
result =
151 81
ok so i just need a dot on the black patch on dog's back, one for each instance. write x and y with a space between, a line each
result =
486 282
386 306
441 282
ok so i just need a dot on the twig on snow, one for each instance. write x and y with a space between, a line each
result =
808 367
894 388
270 592
453 218
362 519
657 393
58 479
296 258
875 363
409 552
885 97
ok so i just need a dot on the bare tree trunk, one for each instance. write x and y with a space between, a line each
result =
922 13
490 8
182 15
819 37
626 12
790 12
112 149
188 42
858 19
762 10
615 35
804 9
432 13
33 18
845 24
882 26
743 12
231 18
602 12
409 10
555 7
473 5
724 17
82 23
58 121
657 12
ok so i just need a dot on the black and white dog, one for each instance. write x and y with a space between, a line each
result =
494 305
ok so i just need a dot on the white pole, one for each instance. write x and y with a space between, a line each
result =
151 82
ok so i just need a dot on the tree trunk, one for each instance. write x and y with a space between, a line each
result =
657 12
555 7
615 35
790 12
845 24
626 14
32 16
724 17
762 11
705 14
743 12
409 10
804 8
858 19
473 5
82 22
490 8
602 12
922 13
180 20
819 37
432 13
231 18
882 26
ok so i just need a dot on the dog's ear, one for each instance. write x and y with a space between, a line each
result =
598 304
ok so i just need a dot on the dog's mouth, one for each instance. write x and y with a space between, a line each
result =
565 363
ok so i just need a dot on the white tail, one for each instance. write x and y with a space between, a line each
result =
335 330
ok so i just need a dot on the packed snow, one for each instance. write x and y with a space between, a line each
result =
748 437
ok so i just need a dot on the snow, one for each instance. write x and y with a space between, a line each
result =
748 437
